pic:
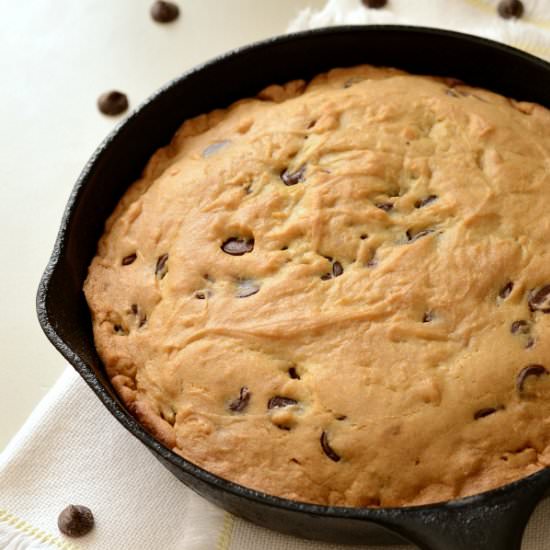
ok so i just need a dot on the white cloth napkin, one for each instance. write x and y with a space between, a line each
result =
71 451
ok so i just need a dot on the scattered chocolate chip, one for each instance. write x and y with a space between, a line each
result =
337 269
127 260
526 372
112 103
75 520
239 404
293 374
278 402
327 449
376 4
161 268
506 290
214 147
385 206
482 413
411 236
420 203
510 8
235 246
164 12
539 299
520 327
292 178
247 288
428 317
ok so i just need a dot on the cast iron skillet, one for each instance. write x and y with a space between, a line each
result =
491 521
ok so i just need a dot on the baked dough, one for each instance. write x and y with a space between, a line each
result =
337 292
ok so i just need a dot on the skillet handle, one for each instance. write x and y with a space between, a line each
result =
486 522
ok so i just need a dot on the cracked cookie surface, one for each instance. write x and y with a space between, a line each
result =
338 292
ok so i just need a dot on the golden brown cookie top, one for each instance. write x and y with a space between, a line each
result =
337 293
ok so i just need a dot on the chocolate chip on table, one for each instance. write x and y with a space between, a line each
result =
506 290
510 8
293 373
75 520
292 178
214 147
337 269
526 372
246 288
161 269
376 4
236 246
482 413
112 103
539 299
239 404
130 259
420 203
164 12
327 449
279 401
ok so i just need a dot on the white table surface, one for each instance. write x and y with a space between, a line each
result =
56 57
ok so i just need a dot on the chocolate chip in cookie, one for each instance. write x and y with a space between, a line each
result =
374 4
527 372
327 449
279 401
239 404
237 246
292 178
539 299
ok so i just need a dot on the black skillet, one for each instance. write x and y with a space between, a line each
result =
491 521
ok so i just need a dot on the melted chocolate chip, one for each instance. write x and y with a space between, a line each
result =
337 269
127 260
482 413
75 520
375 4
327 449
293 374
279 401
506 290
520 327
112 103
420 203
292 178
539 299
247 288
239 404
526 372
164 12
236 246
214 147
385 206
510 8
161 269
